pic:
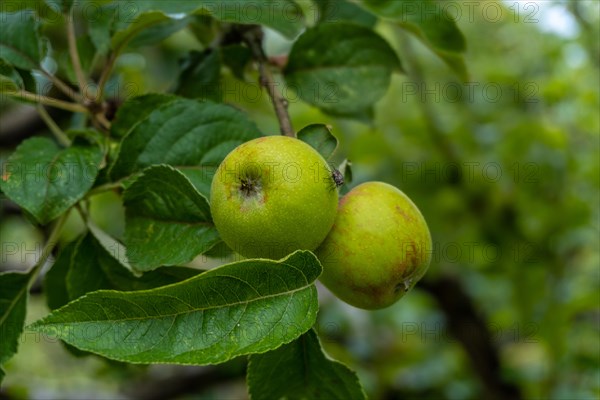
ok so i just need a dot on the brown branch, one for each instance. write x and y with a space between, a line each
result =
253 37
467 326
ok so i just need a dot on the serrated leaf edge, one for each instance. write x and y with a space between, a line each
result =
39 325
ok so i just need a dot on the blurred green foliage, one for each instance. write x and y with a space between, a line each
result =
505 168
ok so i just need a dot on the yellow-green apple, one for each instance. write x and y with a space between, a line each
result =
378 247
273 195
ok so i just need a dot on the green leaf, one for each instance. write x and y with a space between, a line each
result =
10 80
345 169
84 266
91 268
55 280
135 110
182 132
87 137
2 375
301 370
63 5
205 28
250 306
86 51
284 16
167 221
20 43
366 116
200 77
456 62
236 57
431 23
341 68
116 25
41 9
110 244
46 180
14 290
101 24
29 82
147 28
342 10
201 177
219 251
320 138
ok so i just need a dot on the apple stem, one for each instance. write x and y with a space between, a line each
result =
253 38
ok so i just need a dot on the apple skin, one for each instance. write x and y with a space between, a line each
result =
271 196
378 248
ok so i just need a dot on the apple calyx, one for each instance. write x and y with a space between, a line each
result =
250 187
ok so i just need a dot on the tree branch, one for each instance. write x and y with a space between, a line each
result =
60 85
108 67
49 101
470 330
253 38
54 128
75 55
103 121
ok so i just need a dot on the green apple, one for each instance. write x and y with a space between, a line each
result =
273 195
378 248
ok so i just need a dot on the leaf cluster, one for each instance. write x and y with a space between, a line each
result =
130 299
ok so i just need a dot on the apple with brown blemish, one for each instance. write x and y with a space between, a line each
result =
273 195
378 248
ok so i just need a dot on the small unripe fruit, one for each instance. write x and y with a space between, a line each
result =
273 195
378 248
